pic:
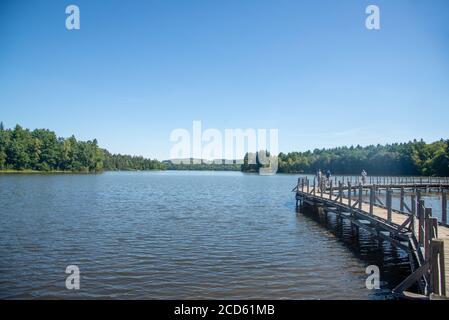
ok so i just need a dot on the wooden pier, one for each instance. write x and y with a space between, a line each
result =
408 225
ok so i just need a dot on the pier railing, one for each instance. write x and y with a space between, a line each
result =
391 180
409 192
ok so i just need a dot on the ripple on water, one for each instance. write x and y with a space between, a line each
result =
185 235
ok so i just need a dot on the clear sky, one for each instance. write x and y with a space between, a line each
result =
136 70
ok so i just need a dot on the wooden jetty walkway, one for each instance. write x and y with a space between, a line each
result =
409 225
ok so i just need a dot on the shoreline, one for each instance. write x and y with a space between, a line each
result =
54 172
11 171
30 171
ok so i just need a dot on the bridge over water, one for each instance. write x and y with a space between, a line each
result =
410 225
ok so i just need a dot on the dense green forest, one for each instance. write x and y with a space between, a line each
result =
42 150
113 162
252 161
412 158
202 165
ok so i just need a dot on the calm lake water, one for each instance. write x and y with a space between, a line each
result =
180 235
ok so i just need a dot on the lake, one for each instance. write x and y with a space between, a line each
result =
180 235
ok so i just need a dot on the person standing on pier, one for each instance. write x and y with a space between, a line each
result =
328 177
364 175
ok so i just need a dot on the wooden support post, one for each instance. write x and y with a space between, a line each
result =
371 199
421 222
349 197
402 199
330 191
412 225
314 186
444 207
321 188
340 191
389 206
427 232
437 268
360 196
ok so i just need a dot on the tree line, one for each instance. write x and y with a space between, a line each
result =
42 150
116 162
202 165
253 161
411 158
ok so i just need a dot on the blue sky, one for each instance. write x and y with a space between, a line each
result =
136 70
